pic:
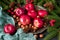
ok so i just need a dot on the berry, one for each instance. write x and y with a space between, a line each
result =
52 22
32 13
19 11
29 6
42 13
25 19
12 13
38 23
9 28
9 11
41 35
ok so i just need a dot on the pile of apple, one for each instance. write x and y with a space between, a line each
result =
28 15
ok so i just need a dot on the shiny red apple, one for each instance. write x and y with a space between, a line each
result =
9 28
29 6
25 19
32 13
19 11
42 13
38 23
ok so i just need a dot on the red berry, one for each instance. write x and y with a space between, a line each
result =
25 19
29 6
19 11
12 13
32 13
9 11
42 13
12 9
9 28
52 22
38 23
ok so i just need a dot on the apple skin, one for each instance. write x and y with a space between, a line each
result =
32 13
25 19
9 29
19 11
42 13
29 6
38 23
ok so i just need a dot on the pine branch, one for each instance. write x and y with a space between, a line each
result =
41 2
12 1
54 2
18 1
50 29
50 35
53 13
6 1
4 5
3 1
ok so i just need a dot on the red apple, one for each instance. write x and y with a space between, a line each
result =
19 11
38 23
9 28
32 13
29 6
25 19
42 13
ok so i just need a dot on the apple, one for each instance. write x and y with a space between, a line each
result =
32 13
9 29
25 19
38 23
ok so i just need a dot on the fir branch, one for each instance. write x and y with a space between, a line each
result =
59 36
53 13
50 35
41 2
12 1
54 2
50 29
6 1
18 1
3 1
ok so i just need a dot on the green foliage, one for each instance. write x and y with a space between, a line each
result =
50 29
59 36
50 35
